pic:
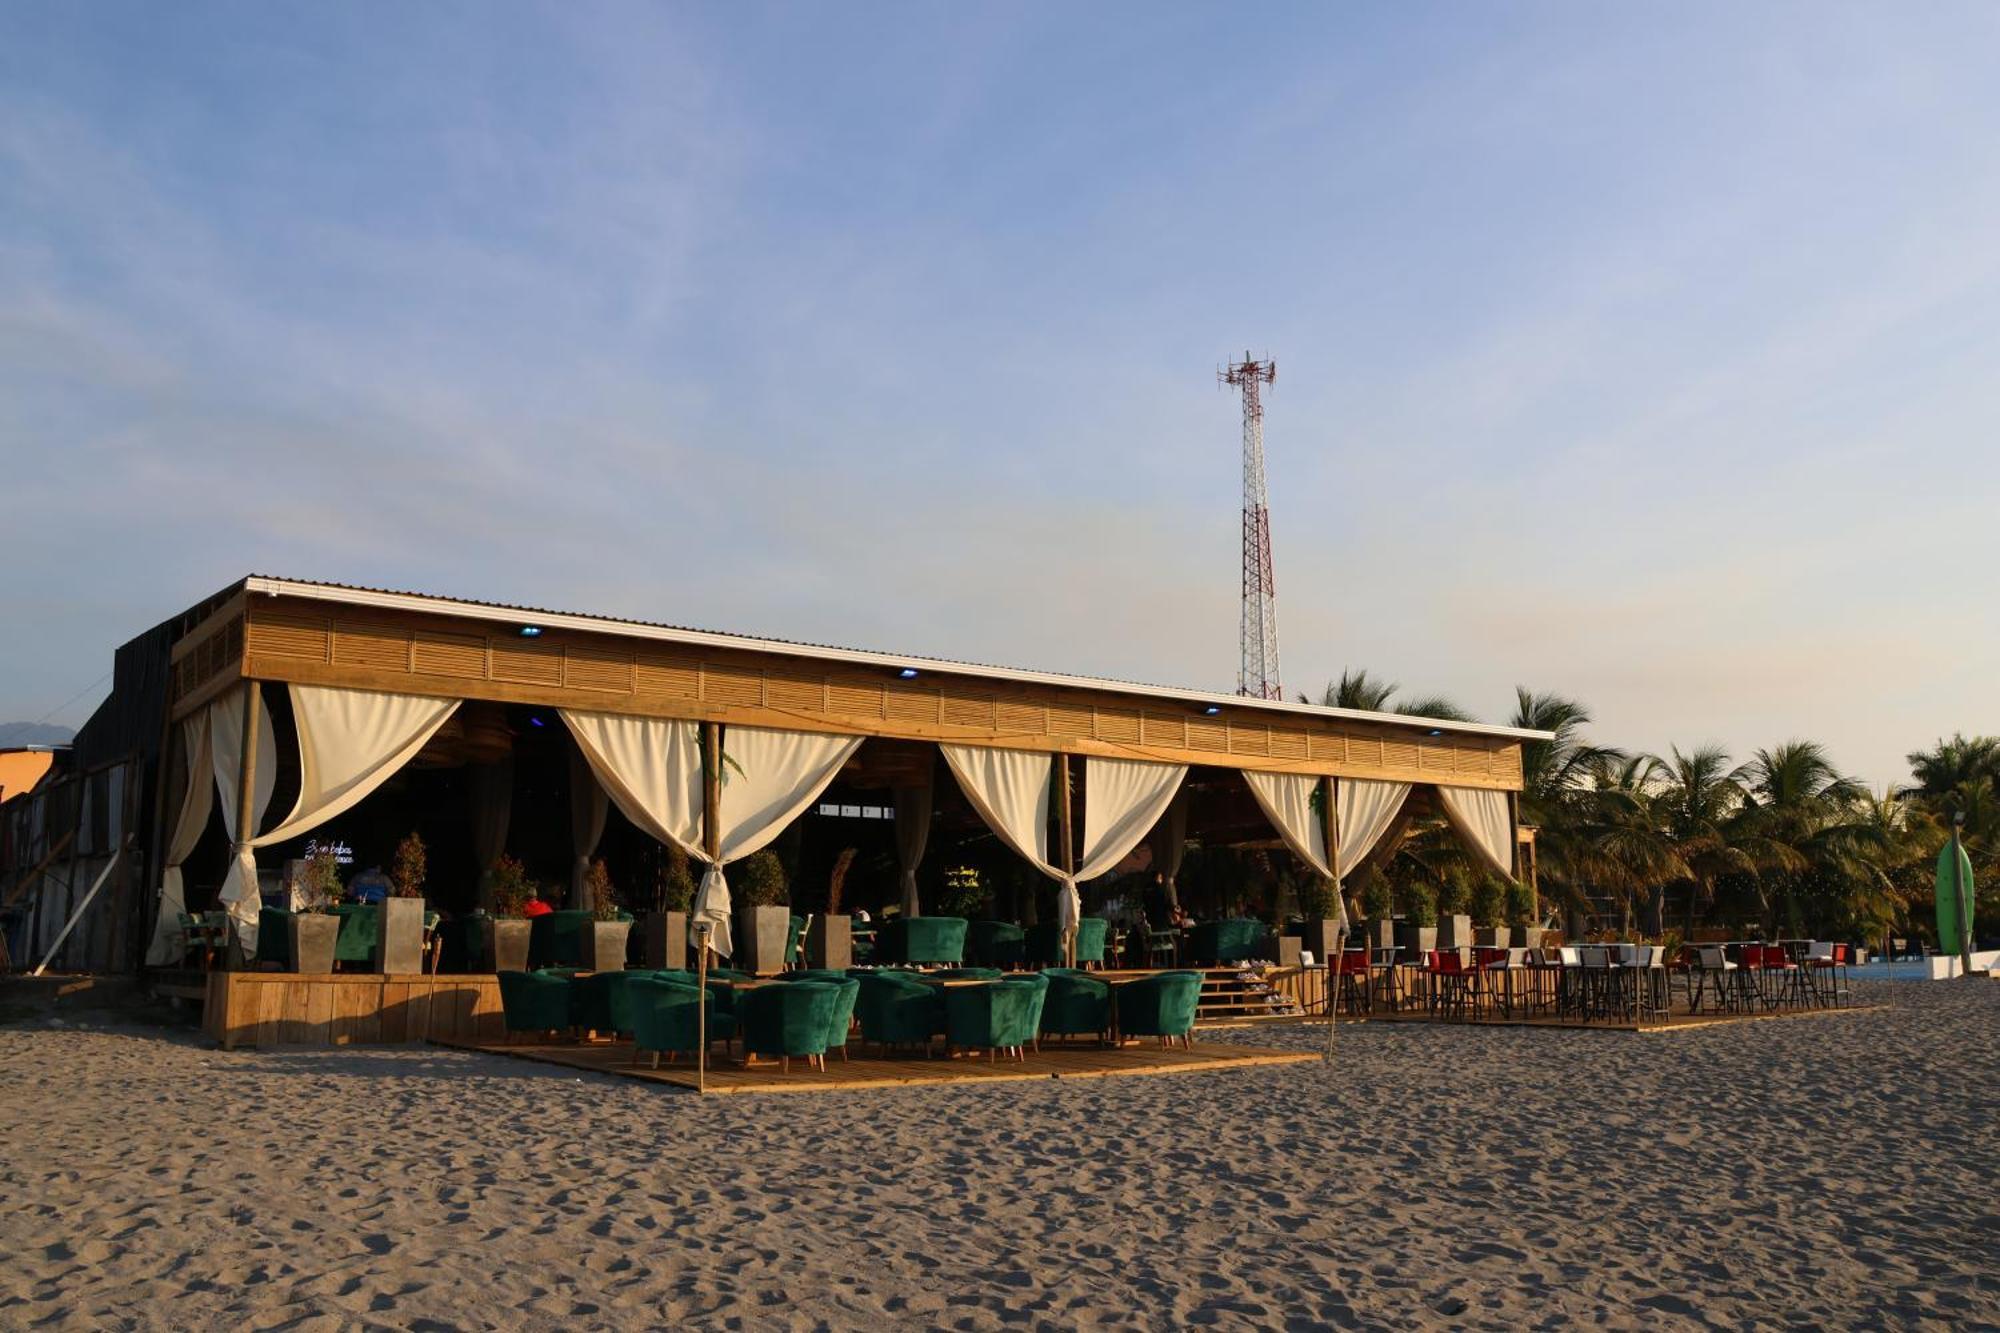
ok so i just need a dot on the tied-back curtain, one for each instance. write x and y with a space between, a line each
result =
1010 790
1287 801
1367 809
588 809
650 766
197 803
913 831
239 894
1486 823
350 743
1122 800
769 778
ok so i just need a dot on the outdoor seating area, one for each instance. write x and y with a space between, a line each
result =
1589 984
861 1013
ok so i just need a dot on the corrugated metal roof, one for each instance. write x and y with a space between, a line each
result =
661 631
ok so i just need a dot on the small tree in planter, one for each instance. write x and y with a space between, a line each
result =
604 944
399 936
314 929
507 930
763 916
666 924
1318 907
1488 902
1376 907
1454 922
1528 932
1417 935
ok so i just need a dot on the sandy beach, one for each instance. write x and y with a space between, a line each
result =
1840 1170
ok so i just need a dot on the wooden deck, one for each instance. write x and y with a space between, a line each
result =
1678 1022
1082 1060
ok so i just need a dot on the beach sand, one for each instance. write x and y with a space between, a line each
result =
1840 1170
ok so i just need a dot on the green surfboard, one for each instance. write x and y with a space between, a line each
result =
1947 897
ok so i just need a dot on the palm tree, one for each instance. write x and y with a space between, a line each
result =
1357 690
1804 824
1696 806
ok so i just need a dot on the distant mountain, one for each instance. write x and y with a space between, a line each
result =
34 733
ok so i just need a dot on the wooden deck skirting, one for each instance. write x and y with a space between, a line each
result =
1078 1060
349 1009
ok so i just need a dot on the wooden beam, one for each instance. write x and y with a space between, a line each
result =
246 797
1068 861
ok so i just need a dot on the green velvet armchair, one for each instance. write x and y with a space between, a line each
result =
1077 1004
1044 943
996 1016
556 939
790 1020
921 939
535 1002
995 944
898 1009
360 927
666 1016
1162 1005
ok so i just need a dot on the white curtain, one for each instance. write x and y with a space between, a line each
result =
1486 823
239 895
652 768
1010 790
1122 800
913 830
197 803
1367 809
1287 799
350 743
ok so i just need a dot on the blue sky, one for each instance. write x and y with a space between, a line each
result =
1644 353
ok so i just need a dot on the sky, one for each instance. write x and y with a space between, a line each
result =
1641 353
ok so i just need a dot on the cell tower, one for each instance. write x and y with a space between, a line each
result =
1258 677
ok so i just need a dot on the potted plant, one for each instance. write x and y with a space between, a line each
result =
763 916
1377 908
1528 933
399 934
1318 936
314 929
604 942
667 923
506 929
1417 934
1489 908
1454 922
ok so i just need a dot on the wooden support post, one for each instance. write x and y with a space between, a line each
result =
1330 816
1068 861
246 805
711 843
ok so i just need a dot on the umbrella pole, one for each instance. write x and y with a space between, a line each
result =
1333 988
701 1013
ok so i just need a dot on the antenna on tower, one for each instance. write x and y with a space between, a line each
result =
1258 677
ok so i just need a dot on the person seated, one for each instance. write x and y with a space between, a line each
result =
370 886
535 906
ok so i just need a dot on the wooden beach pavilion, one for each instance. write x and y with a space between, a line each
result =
291 705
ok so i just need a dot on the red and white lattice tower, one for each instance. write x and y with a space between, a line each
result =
1258 677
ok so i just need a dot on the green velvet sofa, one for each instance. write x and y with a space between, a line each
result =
1078 1004
921 939
1230 941
1044 943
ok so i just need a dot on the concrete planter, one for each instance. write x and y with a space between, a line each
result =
1415 942
1492 937
399 937
1317 938
313 935
830 943
1530 936
1379 934
506 944
604 945
1455 932
760 939
1289 951
666 941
